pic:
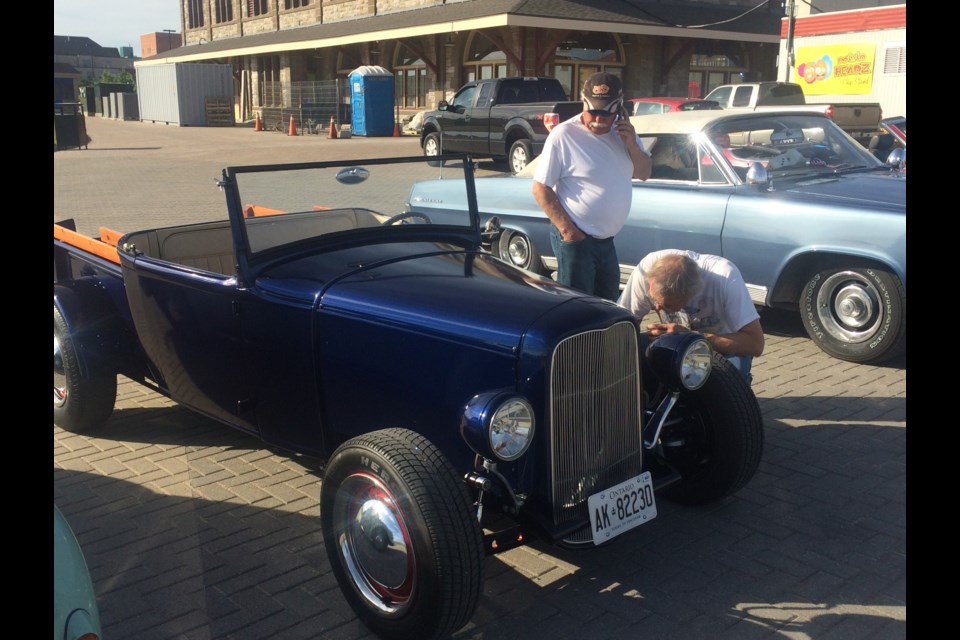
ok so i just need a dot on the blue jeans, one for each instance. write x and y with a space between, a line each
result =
590 265
742 364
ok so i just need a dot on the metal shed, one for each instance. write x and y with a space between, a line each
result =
186 94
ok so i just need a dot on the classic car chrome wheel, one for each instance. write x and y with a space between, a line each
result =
520 155
431 145
515 247
374 543
401 536
78 403
713 437
856 314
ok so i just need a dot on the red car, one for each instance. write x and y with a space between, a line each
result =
650 106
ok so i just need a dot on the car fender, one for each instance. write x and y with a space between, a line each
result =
96 329
778 256
518 128
429 125
800 264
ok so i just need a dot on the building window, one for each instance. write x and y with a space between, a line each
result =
270 89
410 79
295 4
483 60
895 58
256 8
708 72
582 54
195 14
223 11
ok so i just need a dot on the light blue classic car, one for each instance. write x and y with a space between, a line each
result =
813 220
75 613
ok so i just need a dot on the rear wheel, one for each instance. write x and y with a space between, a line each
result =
856 314
401 536
520 155
78 403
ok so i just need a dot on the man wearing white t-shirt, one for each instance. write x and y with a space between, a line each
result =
704 293
582 182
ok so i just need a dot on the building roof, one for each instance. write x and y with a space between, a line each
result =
621 16
62 68
81 46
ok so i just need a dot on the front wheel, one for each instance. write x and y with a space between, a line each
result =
517 249
400 534
856 314
79 403
713 438
431 145
520 155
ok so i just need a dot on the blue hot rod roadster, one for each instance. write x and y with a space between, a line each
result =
462 405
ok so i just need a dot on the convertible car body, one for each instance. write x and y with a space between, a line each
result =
813 220
324 315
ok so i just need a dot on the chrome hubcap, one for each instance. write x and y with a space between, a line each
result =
374 543
518 250
850 308
59 374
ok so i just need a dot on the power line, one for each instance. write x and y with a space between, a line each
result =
700 26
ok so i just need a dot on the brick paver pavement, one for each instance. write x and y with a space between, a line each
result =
196 531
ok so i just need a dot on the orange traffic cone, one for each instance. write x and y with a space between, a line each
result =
257 125
332 131
396 130
293 127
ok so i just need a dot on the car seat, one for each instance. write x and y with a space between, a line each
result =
881 145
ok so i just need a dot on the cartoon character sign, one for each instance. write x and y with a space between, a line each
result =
817 70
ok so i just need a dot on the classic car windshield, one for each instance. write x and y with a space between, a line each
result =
791 145
297 202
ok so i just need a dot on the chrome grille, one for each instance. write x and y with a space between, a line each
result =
595 418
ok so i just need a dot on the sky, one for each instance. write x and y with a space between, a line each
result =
115 23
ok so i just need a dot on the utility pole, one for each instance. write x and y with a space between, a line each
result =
791 59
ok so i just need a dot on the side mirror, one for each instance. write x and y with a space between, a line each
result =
897 158
442 105
757 174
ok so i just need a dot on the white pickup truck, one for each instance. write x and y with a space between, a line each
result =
860 119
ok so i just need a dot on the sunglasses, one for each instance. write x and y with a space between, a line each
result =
607 112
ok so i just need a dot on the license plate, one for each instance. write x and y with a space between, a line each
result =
621 508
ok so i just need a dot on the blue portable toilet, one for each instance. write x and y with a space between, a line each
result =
371 99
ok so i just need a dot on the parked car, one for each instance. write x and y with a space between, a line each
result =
892 135
814 221
661 104
325 315
75 612
503 118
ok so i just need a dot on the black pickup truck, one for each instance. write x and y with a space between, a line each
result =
503 118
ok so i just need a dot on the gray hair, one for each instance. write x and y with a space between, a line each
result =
677 276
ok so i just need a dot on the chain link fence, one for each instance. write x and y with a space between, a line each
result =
310 104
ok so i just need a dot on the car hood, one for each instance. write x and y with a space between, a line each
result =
424 287
876 190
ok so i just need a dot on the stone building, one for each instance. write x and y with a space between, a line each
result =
658 47
88 58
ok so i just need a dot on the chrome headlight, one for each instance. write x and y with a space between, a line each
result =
499 425
681 360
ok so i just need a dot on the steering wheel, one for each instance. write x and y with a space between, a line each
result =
405 215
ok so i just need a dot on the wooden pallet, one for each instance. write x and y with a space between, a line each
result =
219 112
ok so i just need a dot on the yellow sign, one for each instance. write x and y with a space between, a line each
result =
835 68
